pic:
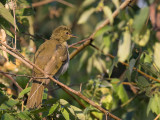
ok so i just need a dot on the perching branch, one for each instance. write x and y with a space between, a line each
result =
13 80
77 93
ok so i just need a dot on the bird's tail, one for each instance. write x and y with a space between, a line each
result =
36 94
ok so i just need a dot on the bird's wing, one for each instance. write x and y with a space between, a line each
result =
43 55
56 61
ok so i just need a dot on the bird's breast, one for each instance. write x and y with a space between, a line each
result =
64 66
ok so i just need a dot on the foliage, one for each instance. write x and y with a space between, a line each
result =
114 83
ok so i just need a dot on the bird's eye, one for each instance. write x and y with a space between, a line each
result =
67 33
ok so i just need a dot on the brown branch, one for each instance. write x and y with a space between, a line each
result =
123 63
65 3
16 56
44 2
13 80
79 102
23 75
91 37
158 116
12 49
77 93
79 42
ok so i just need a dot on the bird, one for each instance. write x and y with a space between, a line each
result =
53 57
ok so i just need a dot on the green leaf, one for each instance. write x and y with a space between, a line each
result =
63 102
108 13
116 3
65 113
154 104
83 58
150 68
36 111
115 61
107 43
131 65
157 54
84 17
145 86
142 82
128 75
8 104
24 115
119 89
6 14
97 64
129 71
7 116
122 93
87 3
76 112
22 10
103 30
140 19
53 108
90 64
23 92
45 94
107 101
25 12
142 38
124 46
6 26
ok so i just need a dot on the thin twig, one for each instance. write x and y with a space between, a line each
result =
79 102
13 80
44 2
79 42
126 103
15 33
16 56
158 116
23 75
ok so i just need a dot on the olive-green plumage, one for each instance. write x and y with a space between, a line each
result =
52 57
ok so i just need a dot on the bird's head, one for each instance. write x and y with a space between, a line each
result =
62 34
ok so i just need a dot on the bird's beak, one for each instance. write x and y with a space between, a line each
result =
73 36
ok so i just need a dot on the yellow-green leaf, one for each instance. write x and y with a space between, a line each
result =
23 92
157 54
6 14
108 13
65 113
90 64
53 108
124 46
142 39
116 3
83 58
97 64
84 17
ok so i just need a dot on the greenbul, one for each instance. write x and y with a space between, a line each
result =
52 57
